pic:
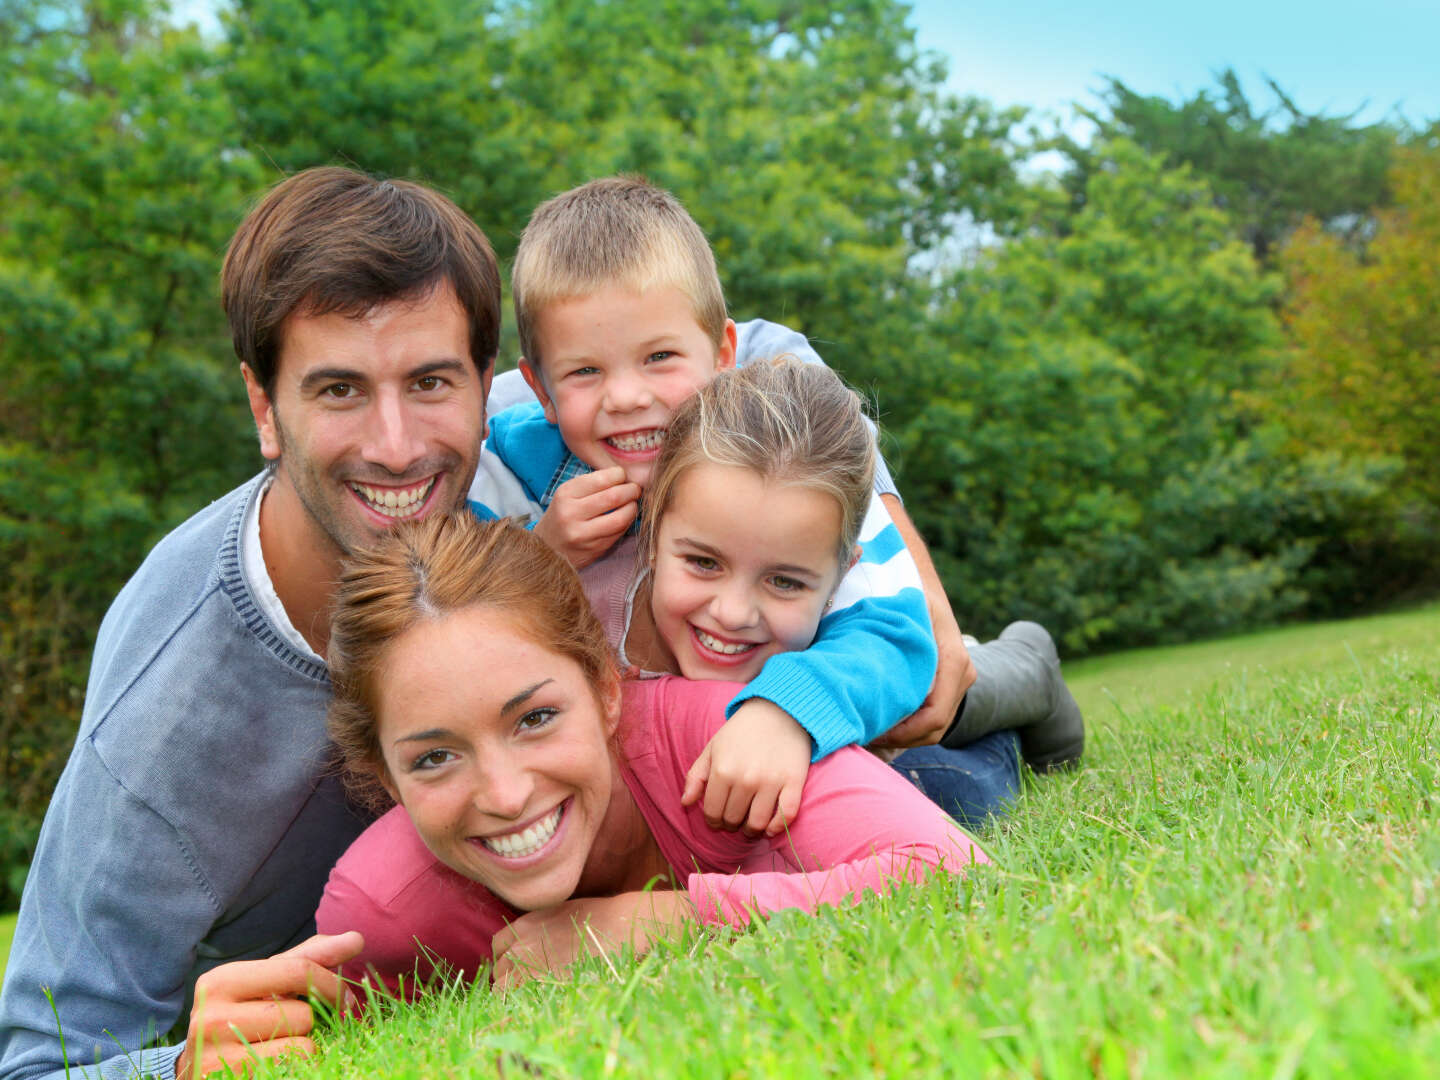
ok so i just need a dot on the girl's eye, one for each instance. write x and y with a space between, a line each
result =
430 759
703 563
536 718
787 584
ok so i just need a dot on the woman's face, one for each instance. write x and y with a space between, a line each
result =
498 749
743 569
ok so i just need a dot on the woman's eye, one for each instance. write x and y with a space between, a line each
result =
536 718
430 759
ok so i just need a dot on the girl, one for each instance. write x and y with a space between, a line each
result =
539 798
755 513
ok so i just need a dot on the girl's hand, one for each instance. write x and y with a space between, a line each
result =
553 939
753 771
588 514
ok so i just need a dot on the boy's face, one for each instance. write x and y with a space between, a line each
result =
617 364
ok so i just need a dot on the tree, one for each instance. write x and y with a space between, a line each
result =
119 410
1266 169
1081 456
1364 359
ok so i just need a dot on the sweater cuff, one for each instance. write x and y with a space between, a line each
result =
810 703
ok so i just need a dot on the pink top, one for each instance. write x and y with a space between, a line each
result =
861 826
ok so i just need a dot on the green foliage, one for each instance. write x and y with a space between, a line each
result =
1076 451
119 413
1266 169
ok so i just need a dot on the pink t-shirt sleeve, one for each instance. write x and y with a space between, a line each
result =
861 826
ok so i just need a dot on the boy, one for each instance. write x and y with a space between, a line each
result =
621 317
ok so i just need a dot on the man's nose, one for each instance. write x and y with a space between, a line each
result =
396 438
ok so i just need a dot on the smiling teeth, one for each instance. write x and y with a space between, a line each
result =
724 648
638 440
392 502
518 845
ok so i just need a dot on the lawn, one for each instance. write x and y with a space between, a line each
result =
1243 880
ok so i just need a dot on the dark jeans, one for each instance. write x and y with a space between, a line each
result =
968 782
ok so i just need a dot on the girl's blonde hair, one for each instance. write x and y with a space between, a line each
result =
789 422
426 571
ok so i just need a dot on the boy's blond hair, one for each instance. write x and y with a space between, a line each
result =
618 231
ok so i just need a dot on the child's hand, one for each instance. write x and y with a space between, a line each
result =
752 771
588 514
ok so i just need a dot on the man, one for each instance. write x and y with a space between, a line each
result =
197 818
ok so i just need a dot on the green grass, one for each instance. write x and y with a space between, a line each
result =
1243 880
7 934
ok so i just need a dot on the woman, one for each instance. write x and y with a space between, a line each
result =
539 807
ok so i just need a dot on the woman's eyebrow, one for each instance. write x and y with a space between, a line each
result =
523 696
426 736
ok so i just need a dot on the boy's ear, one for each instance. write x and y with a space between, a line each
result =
725 355
532 378
264 413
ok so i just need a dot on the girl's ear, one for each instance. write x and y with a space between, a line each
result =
532 377
854 558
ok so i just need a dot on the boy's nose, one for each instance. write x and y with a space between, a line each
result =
626 393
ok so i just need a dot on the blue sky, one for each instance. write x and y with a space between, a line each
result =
1329 56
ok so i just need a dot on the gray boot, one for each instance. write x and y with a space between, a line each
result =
1018 685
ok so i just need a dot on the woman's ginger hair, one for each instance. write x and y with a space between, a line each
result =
427 571
789 422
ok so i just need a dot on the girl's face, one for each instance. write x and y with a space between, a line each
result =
744 567
498 749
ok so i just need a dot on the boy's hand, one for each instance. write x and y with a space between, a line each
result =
752 771
588 514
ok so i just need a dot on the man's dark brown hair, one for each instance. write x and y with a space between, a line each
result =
332 240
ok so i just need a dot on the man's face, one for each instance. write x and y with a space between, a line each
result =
374 420
615 367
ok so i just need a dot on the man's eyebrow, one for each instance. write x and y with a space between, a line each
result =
522 697
313 380
324 376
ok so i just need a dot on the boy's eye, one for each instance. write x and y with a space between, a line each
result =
787 584
536 718
430 759
581 371
656 357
